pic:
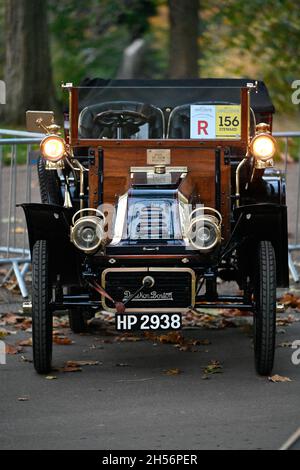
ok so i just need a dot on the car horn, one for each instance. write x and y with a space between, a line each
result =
204 230
87 231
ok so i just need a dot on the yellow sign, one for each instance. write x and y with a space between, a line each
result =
228 121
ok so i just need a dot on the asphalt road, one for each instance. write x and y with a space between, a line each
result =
128 401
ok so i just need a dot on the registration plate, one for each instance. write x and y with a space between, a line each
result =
148 321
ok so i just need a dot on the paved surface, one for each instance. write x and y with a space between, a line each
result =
129 402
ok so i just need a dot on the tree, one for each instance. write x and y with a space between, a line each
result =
258 39
28 72
184 32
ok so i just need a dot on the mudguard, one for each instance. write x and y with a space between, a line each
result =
265 222
52 223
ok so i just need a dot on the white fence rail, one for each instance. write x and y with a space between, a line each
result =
16 180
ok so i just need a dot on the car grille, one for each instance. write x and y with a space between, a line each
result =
151 220
173 289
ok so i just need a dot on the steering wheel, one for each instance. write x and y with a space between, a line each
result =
119 118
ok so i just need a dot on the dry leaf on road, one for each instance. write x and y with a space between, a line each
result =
172 372
214 367
64 341
290 300
82 363
278 378
12 350
3 333
70 368
127 339
26 342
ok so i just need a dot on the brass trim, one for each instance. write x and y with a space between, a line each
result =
149 270
151 169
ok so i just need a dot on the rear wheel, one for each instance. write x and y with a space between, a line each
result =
42 323
77 320
265 308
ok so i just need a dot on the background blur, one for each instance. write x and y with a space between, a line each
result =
45 42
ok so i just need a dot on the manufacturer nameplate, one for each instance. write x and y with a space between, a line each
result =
158 156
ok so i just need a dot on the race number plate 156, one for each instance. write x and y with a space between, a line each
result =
148 321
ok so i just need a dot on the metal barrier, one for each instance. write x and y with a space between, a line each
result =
13 189
295 245
16 187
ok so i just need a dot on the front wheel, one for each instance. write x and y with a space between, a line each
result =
265 308
42 322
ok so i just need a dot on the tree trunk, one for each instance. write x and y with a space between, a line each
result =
131 65
184 32
28 72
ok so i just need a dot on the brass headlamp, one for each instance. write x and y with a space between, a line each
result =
263 146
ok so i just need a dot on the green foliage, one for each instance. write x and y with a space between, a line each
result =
88 38
261 35
257 38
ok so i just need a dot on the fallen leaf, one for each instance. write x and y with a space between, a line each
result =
234 312
172 372
290 300
25 325
3 333
12 350
12 319
82 363
62 340
26 342
67 368
214 367
287 320
278 378
201 342
127 339
174 337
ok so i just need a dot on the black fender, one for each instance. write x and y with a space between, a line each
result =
264 221
52 223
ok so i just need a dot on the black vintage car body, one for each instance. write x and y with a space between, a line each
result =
158 189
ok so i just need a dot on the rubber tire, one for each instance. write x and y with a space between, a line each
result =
77 320
265 309
42 318
49 185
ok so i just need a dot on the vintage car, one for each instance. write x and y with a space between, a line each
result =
155 192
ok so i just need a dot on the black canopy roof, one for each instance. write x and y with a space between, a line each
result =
164 93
